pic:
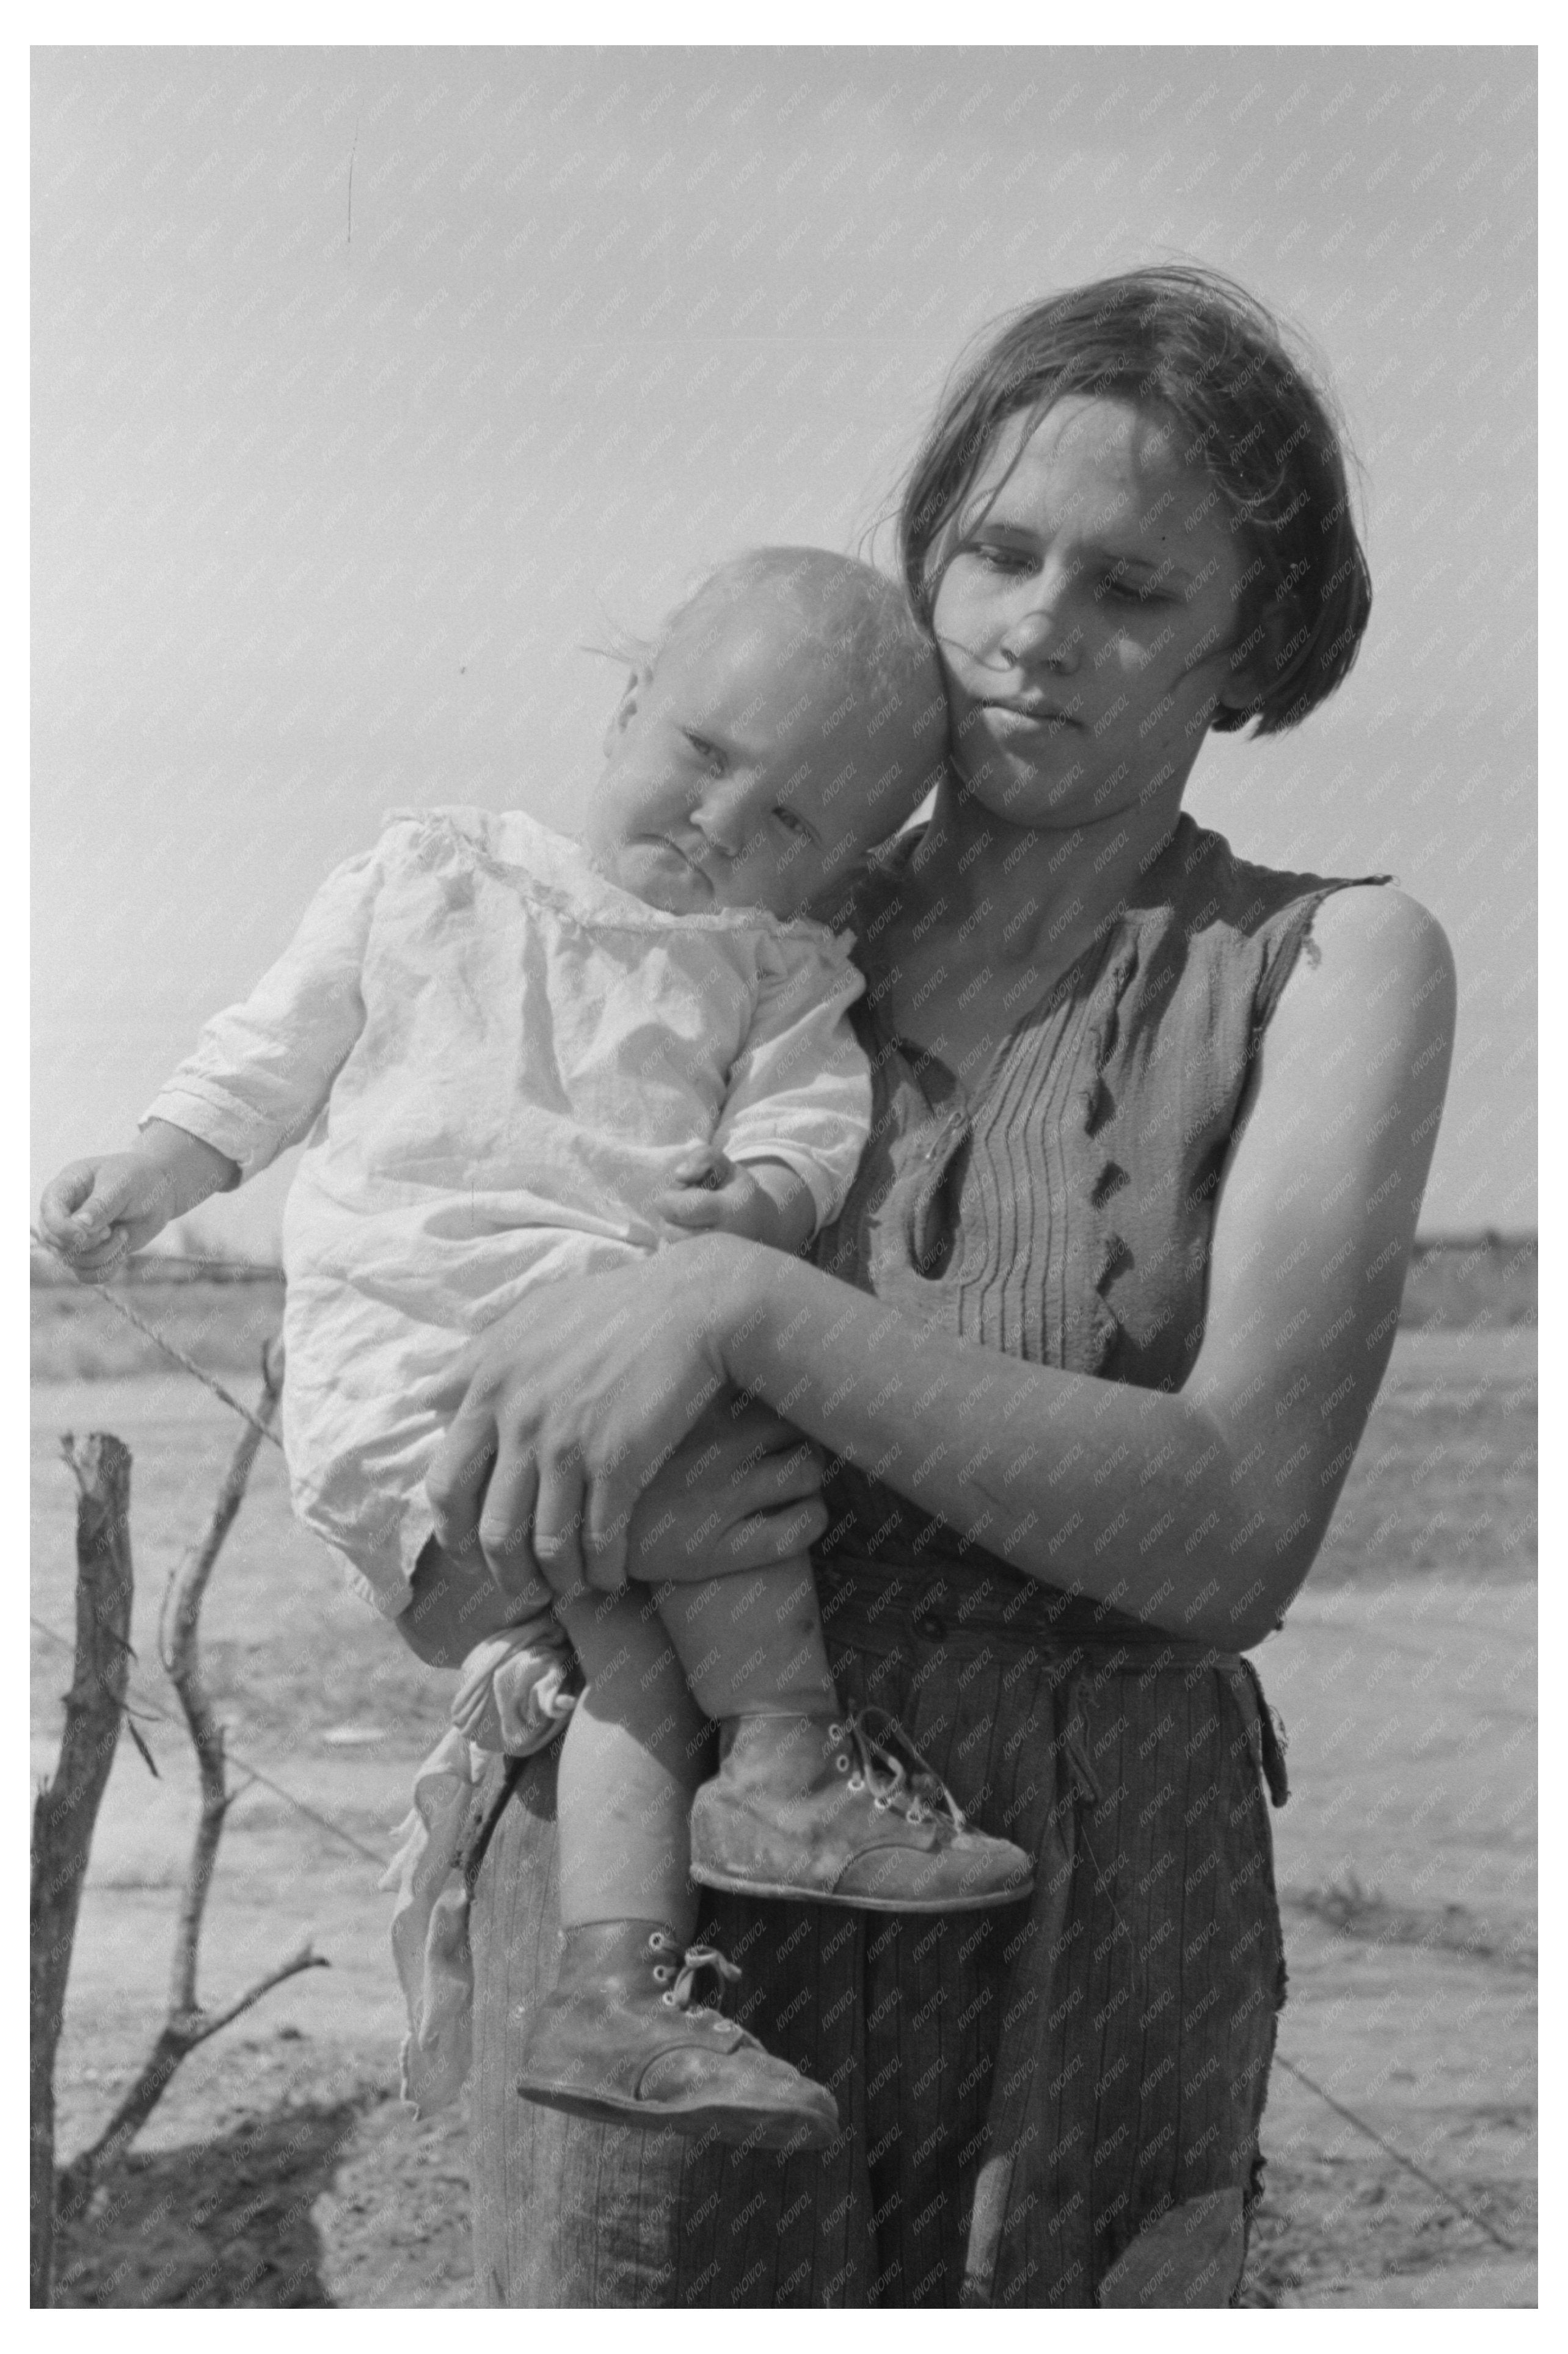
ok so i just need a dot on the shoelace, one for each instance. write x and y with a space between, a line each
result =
694 1962
895 1773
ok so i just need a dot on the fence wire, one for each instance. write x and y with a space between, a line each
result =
159 1339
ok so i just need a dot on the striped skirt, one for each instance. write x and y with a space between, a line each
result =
1050 2103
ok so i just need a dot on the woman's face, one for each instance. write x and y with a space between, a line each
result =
1086 609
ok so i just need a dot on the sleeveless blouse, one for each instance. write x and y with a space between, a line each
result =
1064 1214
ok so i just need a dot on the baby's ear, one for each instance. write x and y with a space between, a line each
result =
627 708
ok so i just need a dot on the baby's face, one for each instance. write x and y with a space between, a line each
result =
740 773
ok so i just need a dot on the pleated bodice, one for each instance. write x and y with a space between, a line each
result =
1063 1214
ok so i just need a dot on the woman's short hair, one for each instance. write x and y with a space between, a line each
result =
1195 349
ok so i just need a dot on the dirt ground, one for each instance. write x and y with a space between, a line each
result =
280 2169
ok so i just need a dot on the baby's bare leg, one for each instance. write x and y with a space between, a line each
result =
635 1750
755 1657
622 2037
752 1644
633 1755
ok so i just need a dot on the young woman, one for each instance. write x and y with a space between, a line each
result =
1088 1354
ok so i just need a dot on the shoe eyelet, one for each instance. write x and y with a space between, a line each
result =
842 1766
835 1733
668 2000
856 1782
881 1805
662 1974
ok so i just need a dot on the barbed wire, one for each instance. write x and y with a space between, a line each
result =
209 1382
159 1339
183 1267
149 1707
1341 2108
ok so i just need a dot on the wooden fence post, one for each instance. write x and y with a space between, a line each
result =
186 2024
66 1807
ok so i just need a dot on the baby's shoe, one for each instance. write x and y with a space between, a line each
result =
621 2040
841 1815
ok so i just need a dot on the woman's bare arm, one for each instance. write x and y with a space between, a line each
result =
1199 1511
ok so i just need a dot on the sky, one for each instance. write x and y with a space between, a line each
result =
371 390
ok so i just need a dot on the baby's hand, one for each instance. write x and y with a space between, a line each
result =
711 1196
98 1211
762 1201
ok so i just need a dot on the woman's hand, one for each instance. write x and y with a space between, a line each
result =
564 1411
741 1492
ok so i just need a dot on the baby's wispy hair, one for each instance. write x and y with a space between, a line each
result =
856 617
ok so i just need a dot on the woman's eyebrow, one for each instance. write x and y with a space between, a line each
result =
1133 559
1103 551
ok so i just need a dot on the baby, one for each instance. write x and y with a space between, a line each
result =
514 1058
